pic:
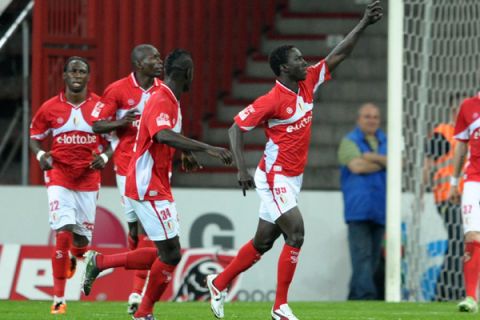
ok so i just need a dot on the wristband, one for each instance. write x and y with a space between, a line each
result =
40 154
104 157
453 181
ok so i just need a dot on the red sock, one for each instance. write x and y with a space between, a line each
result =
139 259
60 261
78 251
287 263
246 257
471 268
160 276
140 276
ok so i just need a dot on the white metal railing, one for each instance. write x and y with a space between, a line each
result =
21 19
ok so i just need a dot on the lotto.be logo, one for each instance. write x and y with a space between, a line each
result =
299 125
76 139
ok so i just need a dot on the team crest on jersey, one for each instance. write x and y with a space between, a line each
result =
60 120
163 120
190 275
289 110
131 102
246 112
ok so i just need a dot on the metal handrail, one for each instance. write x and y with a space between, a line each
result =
21 17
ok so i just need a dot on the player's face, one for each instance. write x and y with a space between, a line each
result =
77 76
369 119
152 64
189 76
297 66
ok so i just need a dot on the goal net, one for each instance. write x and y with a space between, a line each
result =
441 68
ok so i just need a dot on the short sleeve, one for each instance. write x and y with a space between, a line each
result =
316 75
162 118
40 127
462 131
347 151
255 114
106 108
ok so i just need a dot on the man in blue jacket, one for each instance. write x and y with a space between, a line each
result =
363 160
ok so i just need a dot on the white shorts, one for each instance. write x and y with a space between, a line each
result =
471 206
158 218
278 194
130 214
72 207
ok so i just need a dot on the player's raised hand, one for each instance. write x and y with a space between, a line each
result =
373 12
221 153
190 162
46 161
246 181
131 115
98 162
454 195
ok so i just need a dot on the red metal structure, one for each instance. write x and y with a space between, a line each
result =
218 33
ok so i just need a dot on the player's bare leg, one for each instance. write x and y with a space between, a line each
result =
160 275
247 256
471 272
291 224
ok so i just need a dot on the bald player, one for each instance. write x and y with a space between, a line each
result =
119 113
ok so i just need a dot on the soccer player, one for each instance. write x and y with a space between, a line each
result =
71 170
467 132
148 185
286 114
121 106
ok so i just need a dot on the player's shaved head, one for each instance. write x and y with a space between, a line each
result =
140 52
75 58
179 61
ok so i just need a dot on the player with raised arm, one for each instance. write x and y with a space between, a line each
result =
148 185
467 132
286 114
119 112
71 169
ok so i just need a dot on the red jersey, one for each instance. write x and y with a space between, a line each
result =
467 129
148 172
73 142
287 118
118 98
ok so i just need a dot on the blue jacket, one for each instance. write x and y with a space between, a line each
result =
364 195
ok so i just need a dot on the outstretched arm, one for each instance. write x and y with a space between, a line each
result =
235 136
178 141
373 13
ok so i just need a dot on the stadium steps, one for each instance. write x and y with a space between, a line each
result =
315 27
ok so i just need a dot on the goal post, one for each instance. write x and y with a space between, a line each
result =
433 64
394 152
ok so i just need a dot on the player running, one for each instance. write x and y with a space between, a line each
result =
148 185
119 112
71 168
286 114
467 132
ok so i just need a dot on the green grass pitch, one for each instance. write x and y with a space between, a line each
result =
36 310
